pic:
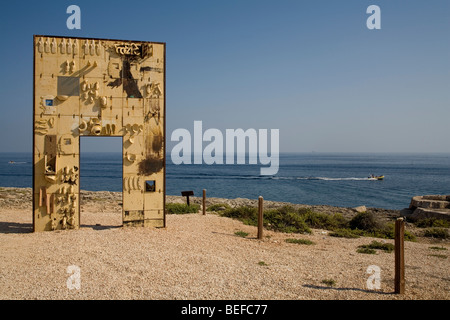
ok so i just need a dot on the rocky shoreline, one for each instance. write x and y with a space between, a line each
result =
22 198
239 202
107 202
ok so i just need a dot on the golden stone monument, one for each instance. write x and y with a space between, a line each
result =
98 87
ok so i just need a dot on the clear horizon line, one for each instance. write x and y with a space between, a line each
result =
287 152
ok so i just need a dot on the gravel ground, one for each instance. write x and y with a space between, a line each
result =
199 258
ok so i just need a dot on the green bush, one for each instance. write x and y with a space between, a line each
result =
345 233
433 222
285 221
290 220
440 233
281 219
366 221
441 256
299 241
366 250
322 220
241 234
181 208
387 231
388 247
367 225
248 215
329 282
338 221
438 248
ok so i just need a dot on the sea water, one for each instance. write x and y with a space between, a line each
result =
307 178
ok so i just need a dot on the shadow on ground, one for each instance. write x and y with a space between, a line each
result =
20 228
99 226
346 289
14 227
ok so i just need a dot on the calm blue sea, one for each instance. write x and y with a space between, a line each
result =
314 178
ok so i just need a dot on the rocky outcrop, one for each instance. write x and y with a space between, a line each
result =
360 209
430 206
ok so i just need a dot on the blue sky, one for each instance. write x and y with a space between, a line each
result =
309 68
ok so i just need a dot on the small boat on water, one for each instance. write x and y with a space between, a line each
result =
11 161
373 177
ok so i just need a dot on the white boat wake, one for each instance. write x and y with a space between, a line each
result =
332 179
322 178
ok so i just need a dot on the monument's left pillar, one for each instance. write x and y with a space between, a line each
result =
56 120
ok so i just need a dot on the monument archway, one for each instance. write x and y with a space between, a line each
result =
98 87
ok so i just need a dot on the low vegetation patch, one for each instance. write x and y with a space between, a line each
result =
290 220
329 282
262 263
286 220
366 250
345 233
438 248
387 247
439 233
440 256
366 221
181 208
322 220
432 223
283 219
387 231
299 241
241 234
384 231
248 215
